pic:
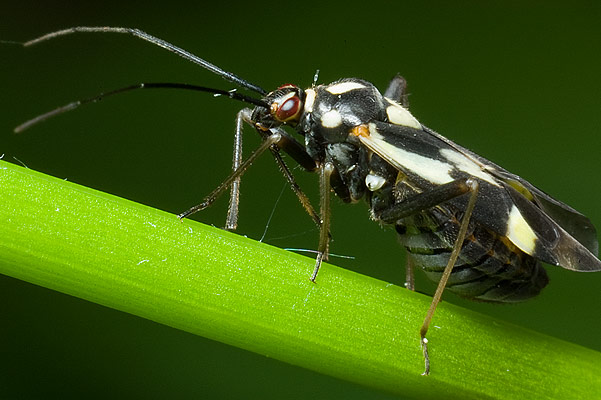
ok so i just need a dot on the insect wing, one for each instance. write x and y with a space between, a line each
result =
573 222
554 245
428 162
508 205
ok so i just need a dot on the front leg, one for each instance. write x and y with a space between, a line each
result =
273 139
286 143
231 221
325 172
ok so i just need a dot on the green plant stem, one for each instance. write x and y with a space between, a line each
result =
228 288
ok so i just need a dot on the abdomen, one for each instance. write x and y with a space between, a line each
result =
489 268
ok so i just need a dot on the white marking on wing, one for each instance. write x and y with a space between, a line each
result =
434 171
466 165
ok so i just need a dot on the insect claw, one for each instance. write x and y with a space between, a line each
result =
318 261
424 343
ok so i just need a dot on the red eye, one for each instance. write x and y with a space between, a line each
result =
289 110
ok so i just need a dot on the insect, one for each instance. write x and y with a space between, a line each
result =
470 225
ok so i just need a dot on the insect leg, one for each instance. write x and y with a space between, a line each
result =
302 197
424 201
409 275
269 141
295 150
273 140
397 90
473 184
325 172
231 221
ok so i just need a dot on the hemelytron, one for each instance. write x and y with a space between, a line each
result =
470 225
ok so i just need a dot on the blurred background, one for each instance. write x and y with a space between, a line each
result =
516 82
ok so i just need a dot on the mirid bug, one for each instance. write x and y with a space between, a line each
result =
472 226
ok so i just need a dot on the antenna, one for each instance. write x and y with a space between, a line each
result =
156 41
232 94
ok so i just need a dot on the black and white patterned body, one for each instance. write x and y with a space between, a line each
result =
383 154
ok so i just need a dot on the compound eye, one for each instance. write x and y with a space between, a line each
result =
289 110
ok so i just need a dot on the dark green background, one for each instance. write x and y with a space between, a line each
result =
519 84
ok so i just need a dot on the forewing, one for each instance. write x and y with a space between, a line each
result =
573 222
555 245
507 204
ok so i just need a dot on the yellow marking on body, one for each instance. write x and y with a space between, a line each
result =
509 244
520 188
400 177
519 232
360 131
399 115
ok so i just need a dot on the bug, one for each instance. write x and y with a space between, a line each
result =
470 225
